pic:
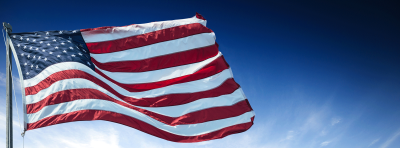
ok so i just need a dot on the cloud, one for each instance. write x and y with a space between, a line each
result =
335 121
325 143
373 142
16 81
290 135
74 136
17 84
391 139
2 79
323 132
204 143
2 121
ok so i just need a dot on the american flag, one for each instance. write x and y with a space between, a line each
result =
166 78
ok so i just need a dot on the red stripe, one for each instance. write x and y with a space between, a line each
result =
87 115
200 116
213 68
161 62
147 38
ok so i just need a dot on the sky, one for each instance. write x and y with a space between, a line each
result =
318 74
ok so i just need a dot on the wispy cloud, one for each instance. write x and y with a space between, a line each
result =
3 119
16 82
391 139
373 142
324 132
325 143
290 135
335 121
2 79
74 136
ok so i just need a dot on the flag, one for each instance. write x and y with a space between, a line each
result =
166 78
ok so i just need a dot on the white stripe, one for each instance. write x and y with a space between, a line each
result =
158 49
137 29
158 75
95 104
188 87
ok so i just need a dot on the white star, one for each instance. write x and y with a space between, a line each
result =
46 37
24 47
37 48
34 56
84 50
43 50
80 54
54 40
14 36
74 31
69 47
41 42
29 56
50 52
88 63
21 38
73 55
18 45
22 54
45 59
35 33
38 58
27 39
56 47
27 73
60 32
38 35
69 41
37 67
34 40
58 56
25 64
31 66
30 48
69 38
62 43
47 33
48 44
65 51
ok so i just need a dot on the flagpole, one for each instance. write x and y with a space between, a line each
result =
9 128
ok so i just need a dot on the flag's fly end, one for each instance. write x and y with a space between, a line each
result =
199 16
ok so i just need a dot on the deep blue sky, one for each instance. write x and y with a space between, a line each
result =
317 74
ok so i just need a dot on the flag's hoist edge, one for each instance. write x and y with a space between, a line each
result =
214 134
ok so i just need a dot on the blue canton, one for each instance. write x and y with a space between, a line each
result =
38 50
